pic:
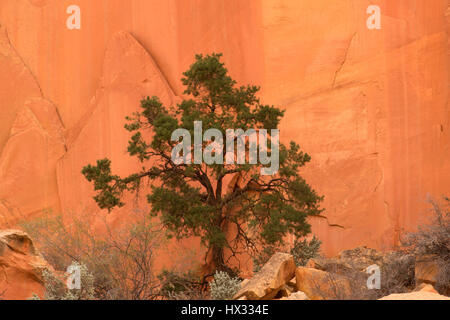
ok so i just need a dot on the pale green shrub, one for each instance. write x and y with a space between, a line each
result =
224 287
56 289
305 250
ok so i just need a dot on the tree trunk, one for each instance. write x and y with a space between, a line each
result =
218 261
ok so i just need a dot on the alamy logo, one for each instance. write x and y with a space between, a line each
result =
213 152
74 278
374 20
374 281
74 20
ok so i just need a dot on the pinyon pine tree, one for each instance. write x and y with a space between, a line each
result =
192 199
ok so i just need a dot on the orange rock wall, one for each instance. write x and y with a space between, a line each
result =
370 106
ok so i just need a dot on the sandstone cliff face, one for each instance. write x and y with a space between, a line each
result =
370 106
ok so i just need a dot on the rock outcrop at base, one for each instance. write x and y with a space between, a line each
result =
321 285
358 258
21 266
270 280
344 277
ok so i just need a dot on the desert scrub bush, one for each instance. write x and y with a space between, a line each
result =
397 273
120 258
434 240
56 289
181 286
224 287
397 276
302 251
398 267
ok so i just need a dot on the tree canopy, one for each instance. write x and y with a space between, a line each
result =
192 199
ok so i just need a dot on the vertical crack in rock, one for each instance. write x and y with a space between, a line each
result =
21 59
381 177
341 65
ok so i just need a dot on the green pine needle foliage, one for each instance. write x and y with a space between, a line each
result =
192 199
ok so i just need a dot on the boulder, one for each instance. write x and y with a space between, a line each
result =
426 292
270 279
424 287
416 295
321 285
21 266
299 295
292 282
285 291
355 259
244 282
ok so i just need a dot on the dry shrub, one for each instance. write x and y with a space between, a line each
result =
56 289
120 259
396 275
398 267
223 286
182 286
302 251
434 240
